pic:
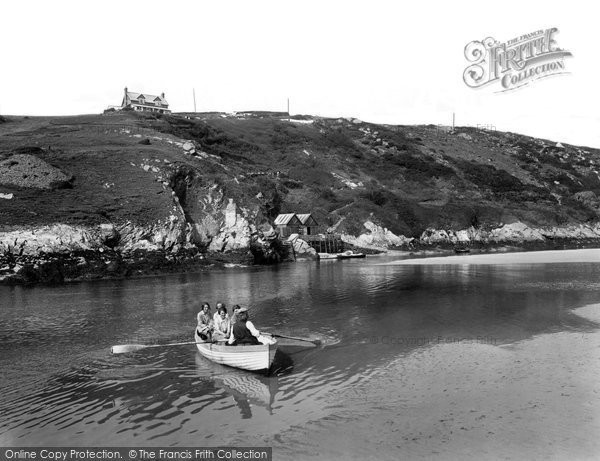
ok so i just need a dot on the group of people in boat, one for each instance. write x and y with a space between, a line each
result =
234 330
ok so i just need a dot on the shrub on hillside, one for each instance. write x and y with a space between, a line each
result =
564 180
292 184
375 195
338 137
284 136
272 195
554 160
525 144
418 166
325 193
326 199
393 212
210 139
525 157
310 175
487 176
591 182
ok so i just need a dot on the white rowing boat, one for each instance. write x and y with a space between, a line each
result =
328 256
246 357
350 254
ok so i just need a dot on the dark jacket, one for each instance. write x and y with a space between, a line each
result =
242 335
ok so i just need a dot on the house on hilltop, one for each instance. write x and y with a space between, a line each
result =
145 102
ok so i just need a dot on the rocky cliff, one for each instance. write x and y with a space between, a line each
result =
60 252
515 234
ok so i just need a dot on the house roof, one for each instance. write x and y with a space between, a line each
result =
307 219
147 97
286 218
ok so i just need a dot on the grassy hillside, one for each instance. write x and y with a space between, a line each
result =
126 166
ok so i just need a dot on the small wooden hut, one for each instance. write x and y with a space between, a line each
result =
288 224
310 226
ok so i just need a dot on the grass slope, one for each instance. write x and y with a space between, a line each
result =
406 178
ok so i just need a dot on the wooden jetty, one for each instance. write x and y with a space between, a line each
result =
325 243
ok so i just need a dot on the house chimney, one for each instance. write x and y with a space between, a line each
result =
162 95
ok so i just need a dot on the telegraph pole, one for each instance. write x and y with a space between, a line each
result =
194 92
288 99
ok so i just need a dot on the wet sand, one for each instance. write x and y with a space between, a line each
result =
534 399
523 257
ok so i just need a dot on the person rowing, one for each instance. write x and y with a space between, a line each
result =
244 331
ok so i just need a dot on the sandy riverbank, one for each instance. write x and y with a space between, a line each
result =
535 399
521 257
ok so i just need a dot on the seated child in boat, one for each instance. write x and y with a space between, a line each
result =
205 323
244 332
222 325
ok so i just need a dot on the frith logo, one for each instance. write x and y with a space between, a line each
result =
514 63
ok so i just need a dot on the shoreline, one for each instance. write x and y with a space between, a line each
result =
55 269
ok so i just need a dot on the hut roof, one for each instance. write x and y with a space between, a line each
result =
307 219
287 219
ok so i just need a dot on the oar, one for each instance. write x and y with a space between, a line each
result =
316 342
124 348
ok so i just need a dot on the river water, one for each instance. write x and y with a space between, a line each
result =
62 387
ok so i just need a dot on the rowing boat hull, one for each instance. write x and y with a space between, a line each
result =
350 255
253 358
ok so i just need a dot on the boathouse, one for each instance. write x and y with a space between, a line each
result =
310 225
288 224
145 102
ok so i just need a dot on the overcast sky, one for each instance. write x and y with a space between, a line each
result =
380 61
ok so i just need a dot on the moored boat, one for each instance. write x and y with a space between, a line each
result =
461 249
350 254
246 357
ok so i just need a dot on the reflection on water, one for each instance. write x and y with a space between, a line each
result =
245 388
62 387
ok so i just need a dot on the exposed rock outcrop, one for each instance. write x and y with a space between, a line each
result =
64 252
235 234
377 238
515 233
301 248
29 171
